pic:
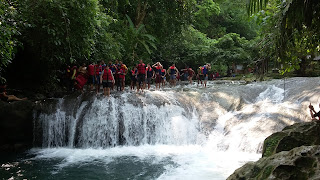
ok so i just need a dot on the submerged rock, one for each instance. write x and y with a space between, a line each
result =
300 163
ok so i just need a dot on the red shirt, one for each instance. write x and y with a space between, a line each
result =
91 70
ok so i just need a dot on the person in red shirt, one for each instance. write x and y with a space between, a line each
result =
141 75
133 76
106 79
173 71
122 75
150 75
190 74
98 70
91 77
157 67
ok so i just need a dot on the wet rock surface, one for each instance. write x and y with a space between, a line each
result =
16 127
293 136
301 163
293 153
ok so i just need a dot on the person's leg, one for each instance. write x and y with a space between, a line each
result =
15 98
121 87
108 91
139 83
104 91
98 85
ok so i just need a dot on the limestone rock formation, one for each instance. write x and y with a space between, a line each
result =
293 153
296 135
301 163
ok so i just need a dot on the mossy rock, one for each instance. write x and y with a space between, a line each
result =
271 143
301 163
299 134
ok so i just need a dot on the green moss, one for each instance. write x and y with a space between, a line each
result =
266 172
270 144
255 171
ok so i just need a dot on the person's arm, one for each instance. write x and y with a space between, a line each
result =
155 65
112 78
312 109
74 74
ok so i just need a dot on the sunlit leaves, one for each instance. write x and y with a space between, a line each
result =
9 28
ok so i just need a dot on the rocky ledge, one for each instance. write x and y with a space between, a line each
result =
16 124
293 153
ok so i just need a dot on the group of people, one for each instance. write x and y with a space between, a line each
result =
141 76
107 75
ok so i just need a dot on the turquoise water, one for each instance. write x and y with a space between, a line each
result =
24 166
133 162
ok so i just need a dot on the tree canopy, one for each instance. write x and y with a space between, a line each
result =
52 33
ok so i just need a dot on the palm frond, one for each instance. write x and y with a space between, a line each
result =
130 21
146 46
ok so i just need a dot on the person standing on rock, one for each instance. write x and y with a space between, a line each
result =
91 78
98 70
141 75
173 72
106 79
313 113
150 75
205 72
157 70
190 74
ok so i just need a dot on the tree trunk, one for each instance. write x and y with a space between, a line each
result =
141 13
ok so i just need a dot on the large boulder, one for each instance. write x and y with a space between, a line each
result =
301 163
296 135
293 153
16 125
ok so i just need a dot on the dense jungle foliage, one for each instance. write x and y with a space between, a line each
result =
38 38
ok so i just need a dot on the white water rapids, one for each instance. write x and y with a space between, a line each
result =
206 132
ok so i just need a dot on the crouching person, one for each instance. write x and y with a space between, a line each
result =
107 80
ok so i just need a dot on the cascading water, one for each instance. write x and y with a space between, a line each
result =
131 120
182 133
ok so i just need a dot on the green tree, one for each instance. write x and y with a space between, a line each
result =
289 25
9 29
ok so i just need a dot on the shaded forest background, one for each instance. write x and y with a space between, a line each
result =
40 37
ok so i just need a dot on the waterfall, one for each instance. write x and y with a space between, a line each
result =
186 132
127 119
224 116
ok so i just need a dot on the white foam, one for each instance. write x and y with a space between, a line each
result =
193 161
